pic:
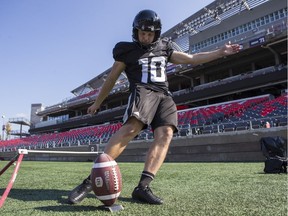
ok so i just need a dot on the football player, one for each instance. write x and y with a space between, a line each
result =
150 103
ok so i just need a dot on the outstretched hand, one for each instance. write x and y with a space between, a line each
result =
229 49
92 109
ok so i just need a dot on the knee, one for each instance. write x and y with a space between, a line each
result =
130 130
164 133
168 132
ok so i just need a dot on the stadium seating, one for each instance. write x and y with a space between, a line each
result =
243 114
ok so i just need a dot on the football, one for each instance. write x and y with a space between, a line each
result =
106 179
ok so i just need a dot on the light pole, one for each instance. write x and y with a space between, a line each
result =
3 126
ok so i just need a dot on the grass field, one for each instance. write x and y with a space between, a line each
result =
41 188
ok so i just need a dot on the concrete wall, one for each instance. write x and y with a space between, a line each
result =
230 146
240 146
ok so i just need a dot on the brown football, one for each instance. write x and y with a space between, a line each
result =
106 179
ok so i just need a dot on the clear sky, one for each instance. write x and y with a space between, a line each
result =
50 47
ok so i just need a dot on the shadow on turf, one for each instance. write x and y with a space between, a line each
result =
40 195
46 195
56 195
67 208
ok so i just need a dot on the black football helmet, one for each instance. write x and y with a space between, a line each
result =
146 20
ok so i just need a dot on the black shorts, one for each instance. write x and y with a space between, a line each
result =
152 108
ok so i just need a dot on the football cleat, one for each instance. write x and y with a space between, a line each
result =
80 192
146 195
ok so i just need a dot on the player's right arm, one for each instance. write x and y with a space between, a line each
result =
117 68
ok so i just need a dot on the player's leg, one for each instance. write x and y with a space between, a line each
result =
114 148
158 149
164 124
118 142
155 157
141 103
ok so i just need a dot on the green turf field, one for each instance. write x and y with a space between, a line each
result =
41 188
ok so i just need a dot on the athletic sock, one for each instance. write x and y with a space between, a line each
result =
145 179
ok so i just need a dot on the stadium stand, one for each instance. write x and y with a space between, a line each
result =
244 114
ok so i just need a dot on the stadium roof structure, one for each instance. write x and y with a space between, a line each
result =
94 83
20 121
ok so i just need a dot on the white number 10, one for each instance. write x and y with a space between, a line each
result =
155 68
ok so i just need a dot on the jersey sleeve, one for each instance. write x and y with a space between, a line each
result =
119 52
171 47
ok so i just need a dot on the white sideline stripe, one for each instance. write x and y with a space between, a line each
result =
104 164
108 197
26 151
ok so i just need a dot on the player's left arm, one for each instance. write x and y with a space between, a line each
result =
107 86
203 57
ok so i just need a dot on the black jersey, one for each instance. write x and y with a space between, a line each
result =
145 67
